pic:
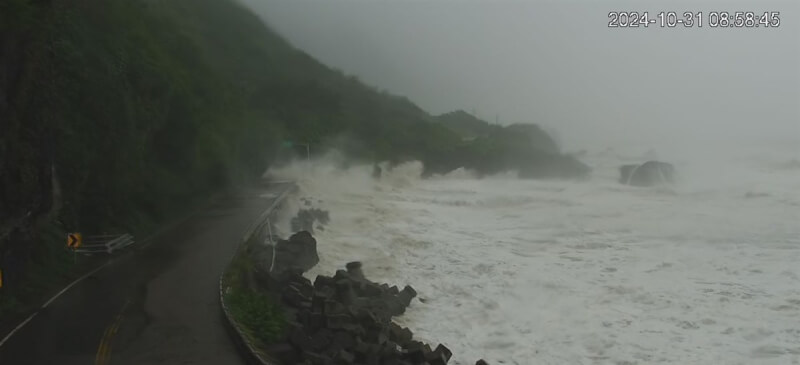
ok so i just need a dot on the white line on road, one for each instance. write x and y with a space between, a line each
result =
51 301
144 243
17 328
75 282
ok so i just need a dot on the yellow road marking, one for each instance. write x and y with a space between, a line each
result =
101 351
103 356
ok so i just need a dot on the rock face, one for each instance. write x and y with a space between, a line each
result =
347 319
299 252
294 256
650 173
305 219
343 319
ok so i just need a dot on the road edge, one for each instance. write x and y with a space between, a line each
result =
247 350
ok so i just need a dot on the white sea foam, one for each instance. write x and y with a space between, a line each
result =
553 272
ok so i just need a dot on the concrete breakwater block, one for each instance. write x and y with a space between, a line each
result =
347 319
339 319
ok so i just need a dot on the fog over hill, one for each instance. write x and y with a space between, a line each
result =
559 65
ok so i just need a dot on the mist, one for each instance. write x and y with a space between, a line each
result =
564 272
677 91
546 271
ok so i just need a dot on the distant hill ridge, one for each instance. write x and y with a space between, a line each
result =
137 108
470 127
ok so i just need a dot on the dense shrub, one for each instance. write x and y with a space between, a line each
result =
136 108
259 314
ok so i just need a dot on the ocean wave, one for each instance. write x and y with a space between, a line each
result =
554 272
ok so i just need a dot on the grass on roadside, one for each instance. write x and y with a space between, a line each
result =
256 312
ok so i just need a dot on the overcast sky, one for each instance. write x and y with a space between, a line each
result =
559 65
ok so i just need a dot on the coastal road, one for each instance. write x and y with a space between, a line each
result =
156 305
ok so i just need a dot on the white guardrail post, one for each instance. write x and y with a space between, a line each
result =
105 243
269 227
256 230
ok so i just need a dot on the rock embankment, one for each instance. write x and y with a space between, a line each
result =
344 318
306 219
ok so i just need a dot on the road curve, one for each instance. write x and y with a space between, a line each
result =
156 305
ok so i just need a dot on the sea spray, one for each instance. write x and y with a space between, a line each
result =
557 272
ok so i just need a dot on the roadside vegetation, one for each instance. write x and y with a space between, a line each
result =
256 312
118 115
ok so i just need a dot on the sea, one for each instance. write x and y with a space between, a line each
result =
704 271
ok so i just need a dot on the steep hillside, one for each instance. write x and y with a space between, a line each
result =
466 125
470 127
489 148
117 114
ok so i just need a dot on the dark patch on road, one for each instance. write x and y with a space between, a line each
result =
156 304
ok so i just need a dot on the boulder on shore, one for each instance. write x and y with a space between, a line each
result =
307 219
340 319
299 252
292 257
347 319
650 173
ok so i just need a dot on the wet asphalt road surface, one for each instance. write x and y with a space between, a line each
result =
158 304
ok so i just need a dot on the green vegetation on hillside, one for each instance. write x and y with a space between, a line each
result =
489 149
117 114
256 312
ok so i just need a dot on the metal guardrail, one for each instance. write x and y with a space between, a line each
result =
260 230
105 243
